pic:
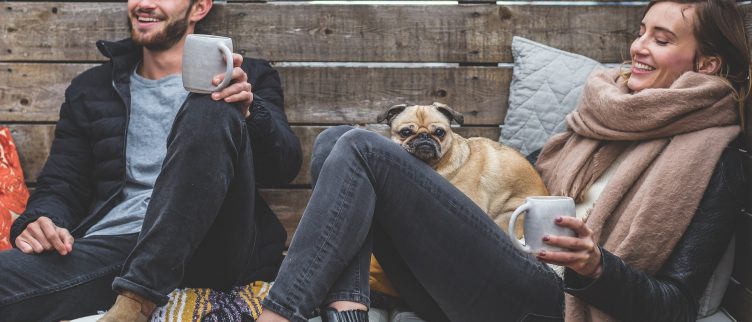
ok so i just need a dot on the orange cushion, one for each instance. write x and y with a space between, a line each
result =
13 191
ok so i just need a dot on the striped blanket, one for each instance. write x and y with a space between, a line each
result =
241 304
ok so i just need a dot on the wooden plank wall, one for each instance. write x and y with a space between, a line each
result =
340 64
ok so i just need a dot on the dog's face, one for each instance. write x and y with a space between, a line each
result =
422 130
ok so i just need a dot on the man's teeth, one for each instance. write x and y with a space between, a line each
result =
643 66
144 19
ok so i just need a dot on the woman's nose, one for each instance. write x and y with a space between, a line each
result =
638 46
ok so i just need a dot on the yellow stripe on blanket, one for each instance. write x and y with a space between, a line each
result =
203 304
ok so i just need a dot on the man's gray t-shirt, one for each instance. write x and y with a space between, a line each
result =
154 104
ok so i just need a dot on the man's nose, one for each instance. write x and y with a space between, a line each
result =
146 4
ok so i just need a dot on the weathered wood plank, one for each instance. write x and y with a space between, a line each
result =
34 140
34 92
288 205
304 32
352 95
314 95
33 144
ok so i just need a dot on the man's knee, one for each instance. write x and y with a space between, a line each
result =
201 108
207 117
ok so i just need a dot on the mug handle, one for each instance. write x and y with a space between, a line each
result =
228 72
512 221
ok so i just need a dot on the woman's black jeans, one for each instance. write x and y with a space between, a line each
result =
446 257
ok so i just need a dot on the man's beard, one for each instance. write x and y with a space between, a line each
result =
163 39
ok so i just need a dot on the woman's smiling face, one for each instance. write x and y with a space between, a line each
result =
666 46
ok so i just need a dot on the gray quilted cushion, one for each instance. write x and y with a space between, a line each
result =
546 84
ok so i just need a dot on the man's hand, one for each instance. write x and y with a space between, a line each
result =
42 235
239 90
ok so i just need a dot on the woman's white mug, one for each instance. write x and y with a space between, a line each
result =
540 214
204 57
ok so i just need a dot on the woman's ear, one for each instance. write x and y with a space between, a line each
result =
709 65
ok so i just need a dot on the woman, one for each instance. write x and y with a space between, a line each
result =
655 139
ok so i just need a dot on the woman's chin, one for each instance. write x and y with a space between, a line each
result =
635 86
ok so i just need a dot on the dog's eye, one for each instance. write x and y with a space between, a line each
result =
440 133
405 132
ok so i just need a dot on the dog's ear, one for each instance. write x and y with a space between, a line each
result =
388 115
451 114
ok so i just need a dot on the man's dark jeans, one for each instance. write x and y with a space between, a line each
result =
445 256
189 237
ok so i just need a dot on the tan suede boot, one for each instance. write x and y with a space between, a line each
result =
125 309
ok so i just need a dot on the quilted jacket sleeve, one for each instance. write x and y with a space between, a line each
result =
276 150
64 187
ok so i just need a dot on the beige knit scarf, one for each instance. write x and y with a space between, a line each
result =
676 136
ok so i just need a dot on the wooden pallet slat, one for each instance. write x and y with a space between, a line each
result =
304 32
288 205
313 95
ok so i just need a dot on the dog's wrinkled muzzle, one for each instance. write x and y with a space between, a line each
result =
425 148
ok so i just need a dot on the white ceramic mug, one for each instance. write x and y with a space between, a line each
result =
541 212
206 56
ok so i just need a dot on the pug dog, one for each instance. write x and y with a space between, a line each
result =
496 177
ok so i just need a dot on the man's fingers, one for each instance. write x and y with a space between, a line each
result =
42 235
239 97
218 79
237 76
233 89
51 234
23 245
36 247
35 230
237 60
67 238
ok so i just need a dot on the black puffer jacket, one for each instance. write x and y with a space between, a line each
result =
672 294
85 171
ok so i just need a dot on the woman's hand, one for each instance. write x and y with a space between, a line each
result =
583 257
239 90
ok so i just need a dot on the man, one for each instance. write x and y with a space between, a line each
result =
148 185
